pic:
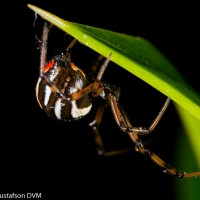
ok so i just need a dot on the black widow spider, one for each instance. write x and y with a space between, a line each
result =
64 92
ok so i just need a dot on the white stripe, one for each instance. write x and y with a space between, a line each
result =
47 94
53 74
57 108
79 112
48 90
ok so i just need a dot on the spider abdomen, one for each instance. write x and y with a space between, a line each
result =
67 78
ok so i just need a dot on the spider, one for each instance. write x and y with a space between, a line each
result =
64 92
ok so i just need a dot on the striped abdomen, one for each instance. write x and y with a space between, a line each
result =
67 79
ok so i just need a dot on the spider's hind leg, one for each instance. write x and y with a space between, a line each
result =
125 125
98 139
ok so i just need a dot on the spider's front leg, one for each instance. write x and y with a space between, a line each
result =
125 125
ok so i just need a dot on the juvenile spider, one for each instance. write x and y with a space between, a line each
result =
64 92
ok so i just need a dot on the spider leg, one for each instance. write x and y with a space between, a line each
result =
97 137
43 55
96 63
97 89
43 47
95 127
146 131
68 52
159 116
125 125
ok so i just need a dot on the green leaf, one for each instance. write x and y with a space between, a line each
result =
140 58
191 126
185 159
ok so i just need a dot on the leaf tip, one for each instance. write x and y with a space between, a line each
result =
31 6
35 8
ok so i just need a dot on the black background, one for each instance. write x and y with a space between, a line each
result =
39 154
